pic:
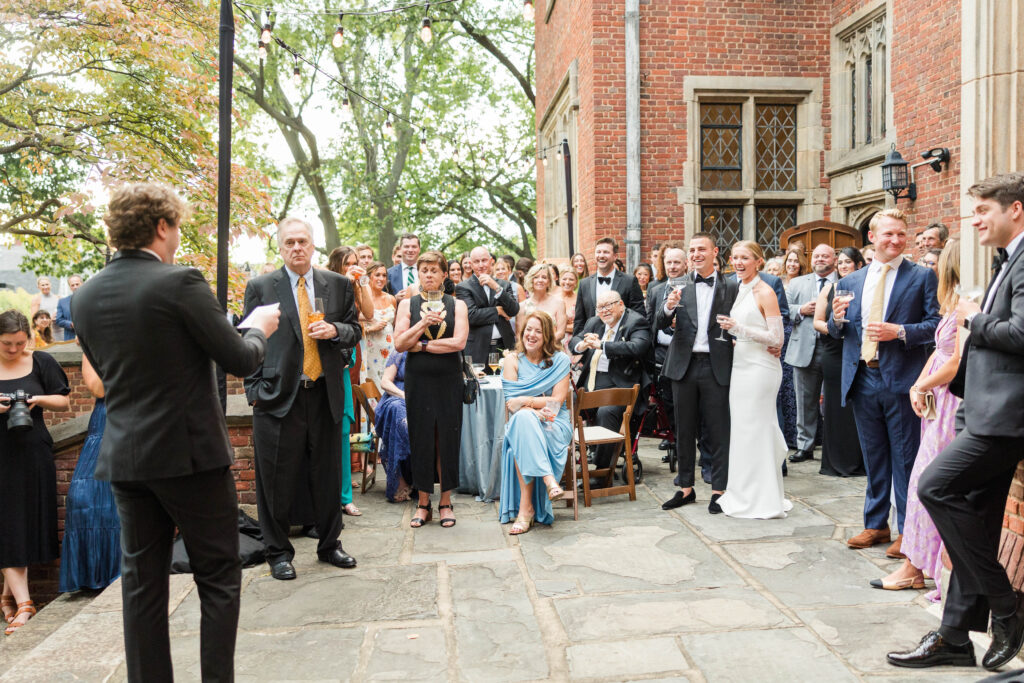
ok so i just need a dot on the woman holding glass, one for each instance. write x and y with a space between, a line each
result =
433 326
536 382
28 476
840 445
378 331
540 283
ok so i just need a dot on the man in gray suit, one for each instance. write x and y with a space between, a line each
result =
804 352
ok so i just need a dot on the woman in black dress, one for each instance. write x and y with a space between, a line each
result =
28 476
434 338
840 446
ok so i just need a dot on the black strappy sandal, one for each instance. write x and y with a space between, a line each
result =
450 522
416 522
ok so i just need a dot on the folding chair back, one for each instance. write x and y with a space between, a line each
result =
584 436
362 394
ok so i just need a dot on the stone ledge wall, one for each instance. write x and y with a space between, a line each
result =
68 438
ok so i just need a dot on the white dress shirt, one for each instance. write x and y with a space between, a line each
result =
293 278
705 298
405 275
602 288
602 362
1011 249
870 283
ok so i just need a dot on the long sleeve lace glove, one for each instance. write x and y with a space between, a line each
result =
773 336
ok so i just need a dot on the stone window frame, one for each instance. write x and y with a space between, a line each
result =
560 121
808 197
865 34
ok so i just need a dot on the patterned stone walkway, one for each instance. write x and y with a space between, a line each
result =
627 593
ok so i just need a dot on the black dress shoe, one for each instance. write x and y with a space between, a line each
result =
664 445
309 531
282 571
679 500
713 507
785 470
801 456
933 650
337 557
1007 638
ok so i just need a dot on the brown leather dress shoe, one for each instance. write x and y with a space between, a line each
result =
894 551
869 537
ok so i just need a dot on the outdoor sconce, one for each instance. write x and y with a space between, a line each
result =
898 175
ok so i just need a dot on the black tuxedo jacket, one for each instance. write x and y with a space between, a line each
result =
626 353
677 360
483 316
586 298
150 330
994 391
272 387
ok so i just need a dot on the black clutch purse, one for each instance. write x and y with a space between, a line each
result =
470 384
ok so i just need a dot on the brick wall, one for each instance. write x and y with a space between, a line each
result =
1011 546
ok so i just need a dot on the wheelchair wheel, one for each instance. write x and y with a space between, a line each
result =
671 458
638 470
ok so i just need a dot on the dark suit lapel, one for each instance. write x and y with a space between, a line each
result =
283 287
689 299
903 276
320 288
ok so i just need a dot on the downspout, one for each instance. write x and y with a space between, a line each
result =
632 134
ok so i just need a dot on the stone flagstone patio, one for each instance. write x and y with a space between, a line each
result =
629 592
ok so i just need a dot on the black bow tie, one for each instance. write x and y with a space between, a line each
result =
1000 258
709 280
604 280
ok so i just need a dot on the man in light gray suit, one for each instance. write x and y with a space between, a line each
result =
804 352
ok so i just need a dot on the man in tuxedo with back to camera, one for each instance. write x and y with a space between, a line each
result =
490 304
298 397
964 489
614 344
804 352
700 367
606 278
891 320
151 329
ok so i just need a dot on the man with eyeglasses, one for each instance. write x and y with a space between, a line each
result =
614 344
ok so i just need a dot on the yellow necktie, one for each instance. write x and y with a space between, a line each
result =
310 353
592 377
869 349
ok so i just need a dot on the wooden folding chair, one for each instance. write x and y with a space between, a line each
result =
594 435
570 476
361 394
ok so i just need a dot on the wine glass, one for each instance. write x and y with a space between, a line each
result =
493 359
478 368
552 407
432 301
972 293
847 296
678 284
721 332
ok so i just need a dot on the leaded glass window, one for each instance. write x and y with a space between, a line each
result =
868 72
853 107
725 223
772 221
775 128
721 149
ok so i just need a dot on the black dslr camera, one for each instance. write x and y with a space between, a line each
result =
19 417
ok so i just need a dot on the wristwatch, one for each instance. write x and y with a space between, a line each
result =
423 345
902 334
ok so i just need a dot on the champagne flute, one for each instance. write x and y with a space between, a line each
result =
847 296
493 360
721 333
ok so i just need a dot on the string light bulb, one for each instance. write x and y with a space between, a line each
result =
558 153
426 32
296 74
389 130
268 28
262 51
528 10
544 159
339 35
345 106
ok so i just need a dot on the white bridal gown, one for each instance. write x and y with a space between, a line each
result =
757 447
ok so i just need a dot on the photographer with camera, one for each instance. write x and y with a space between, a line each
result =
30 381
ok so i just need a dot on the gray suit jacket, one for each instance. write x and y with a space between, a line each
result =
994 391
801 343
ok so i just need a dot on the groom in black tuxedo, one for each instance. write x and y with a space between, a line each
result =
964 489
699 366
607 278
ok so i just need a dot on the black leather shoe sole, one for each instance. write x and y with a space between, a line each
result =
941 659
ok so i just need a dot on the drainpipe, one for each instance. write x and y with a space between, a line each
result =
632 134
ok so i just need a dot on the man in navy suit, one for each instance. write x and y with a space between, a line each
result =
63 320
886 330
403 275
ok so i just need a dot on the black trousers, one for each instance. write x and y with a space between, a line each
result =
306 440
609 417
204 507
701 406
964 491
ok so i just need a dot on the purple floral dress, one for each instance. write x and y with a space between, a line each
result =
921 542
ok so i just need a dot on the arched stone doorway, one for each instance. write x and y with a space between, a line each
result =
860 216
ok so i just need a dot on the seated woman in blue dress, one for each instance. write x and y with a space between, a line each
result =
537 435
393 429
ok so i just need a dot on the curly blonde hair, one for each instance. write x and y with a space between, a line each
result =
135 210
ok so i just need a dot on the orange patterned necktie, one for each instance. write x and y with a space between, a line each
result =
310 353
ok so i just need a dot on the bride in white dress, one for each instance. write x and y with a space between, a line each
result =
757 447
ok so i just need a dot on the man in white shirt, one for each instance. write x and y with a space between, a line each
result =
403 277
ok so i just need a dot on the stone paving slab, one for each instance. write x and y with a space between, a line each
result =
618 660
806 572
645 614
801 521
413 654
782 655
